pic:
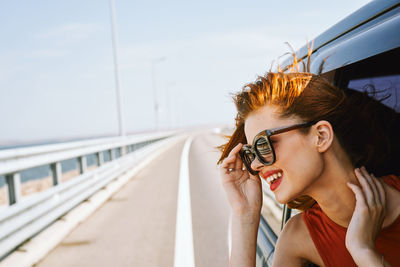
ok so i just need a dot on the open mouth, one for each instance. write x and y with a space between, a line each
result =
274 185
274 180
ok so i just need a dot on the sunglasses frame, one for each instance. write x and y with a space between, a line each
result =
266 134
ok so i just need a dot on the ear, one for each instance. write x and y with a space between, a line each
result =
324 135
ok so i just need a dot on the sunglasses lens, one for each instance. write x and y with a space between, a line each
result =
264 150
247 157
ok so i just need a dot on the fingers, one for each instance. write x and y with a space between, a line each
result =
360 199
236 149
369 211
381 191
233 161
239 163
228 160
368 186
372 182
372 190
231 156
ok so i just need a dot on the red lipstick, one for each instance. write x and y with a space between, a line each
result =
265 175
274 185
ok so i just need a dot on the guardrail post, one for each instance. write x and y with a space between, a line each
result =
123 150
100 158
82 164
14 187
56 172
285 215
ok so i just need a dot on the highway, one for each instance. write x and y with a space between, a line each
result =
137 225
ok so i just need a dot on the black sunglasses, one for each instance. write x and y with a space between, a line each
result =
262 147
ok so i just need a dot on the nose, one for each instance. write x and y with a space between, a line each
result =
256 165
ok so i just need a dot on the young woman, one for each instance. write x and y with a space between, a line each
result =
310 141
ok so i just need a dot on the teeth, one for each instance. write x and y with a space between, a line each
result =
273 177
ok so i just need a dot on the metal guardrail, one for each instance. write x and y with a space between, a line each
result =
266 241
28 215
268 228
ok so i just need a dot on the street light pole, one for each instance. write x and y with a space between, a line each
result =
155 98
169 112
116 71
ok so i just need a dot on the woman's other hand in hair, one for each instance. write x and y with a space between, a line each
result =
367 219
243 190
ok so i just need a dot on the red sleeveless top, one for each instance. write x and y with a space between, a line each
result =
329 237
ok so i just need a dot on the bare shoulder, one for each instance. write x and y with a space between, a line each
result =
392 204
295 246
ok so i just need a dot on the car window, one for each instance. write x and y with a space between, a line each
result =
385 88
375 75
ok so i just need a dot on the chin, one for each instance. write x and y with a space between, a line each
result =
285 196
281 199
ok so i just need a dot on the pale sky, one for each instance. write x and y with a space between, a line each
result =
57 72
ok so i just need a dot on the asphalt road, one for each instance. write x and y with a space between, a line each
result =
136 227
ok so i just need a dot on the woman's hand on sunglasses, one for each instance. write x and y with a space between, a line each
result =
243 190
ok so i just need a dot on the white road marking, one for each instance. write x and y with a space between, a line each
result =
184 251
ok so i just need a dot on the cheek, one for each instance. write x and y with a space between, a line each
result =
296 152
301 162
300 172
307 165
